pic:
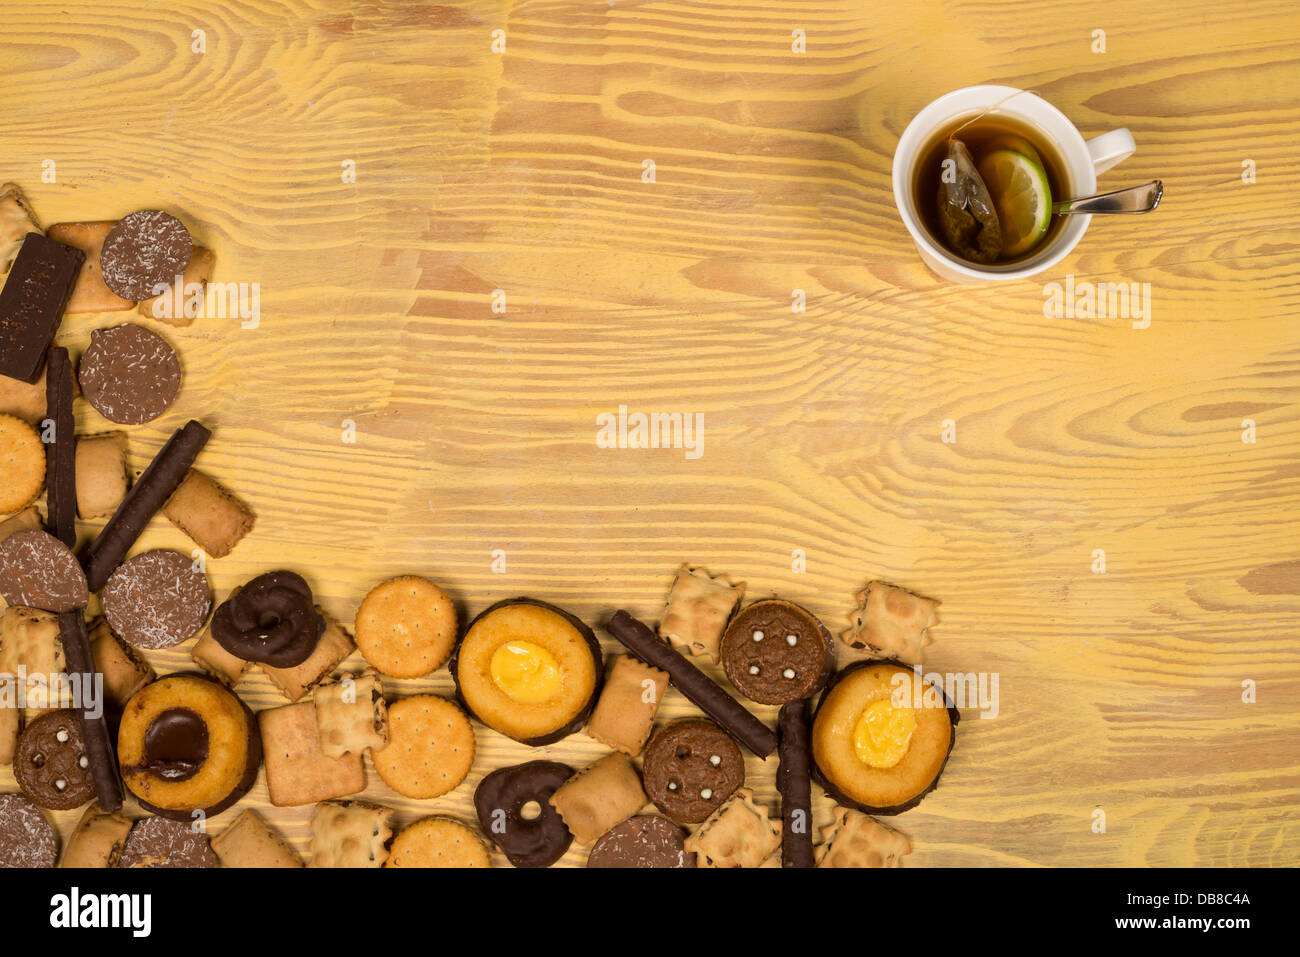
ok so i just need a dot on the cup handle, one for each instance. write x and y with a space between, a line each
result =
1111 149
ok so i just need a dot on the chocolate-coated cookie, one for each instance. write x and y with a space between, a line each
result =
775 652
271 620
157 599
145 249
129 374
160 842
505 797
39 571
26 838
691 767
644 841
50 763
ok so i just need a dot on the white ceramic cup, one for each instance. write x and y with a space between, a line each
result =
1085 159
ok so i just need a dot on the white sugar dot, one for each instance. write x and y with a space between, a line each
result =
706 794
792 640
759 636
60 784
753 669
83 762
61 736
788 673
715 760
672 785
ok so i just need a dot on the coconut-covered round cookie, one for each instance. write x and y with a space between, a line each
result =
145 249
775 652
27 839
129 374
881 737
691 767
50 763
159 842
644 841
157 599
39 571
514 809
187 744
528 670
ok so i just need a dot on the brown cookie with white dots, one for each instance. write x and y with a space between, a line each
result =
691 767
775 652
145 249
157 599
161 842
50 764
129 374
27 839
39 571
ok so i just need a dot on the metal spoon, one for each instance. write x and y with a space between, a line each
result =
1131 199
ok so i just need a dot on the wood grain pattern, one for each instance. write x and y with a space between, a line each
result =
521 171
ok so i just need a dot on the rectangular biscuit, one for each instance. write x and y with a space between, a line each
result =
251 842
194 283
625 711
90 294
601 795
209 655
297 771
102 480
697 612
124 671
97 840
29 640
208 513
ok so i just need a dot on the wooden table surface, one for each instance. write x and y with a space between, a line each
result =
482 173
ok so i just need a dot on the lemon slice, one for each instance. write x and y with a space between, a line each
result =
1023 199
1017 144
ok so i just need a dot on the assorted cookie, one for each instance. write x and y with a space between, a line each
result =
161 842
350 834
644 841
691 768
129 374
514 809
157 599
51 765
438 842
430 747
406 627
27 839
891 622
775 652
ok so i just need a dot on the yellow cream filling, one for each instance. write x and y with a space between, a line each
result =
525 672
882 733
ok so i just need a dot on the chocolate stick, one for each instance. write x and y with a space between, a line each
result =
94 730
794 782
702 691
151 491
32 301
61 454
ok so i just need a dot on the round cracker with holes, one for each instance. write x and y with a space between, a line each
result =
22 463
438 842
430 747
406 627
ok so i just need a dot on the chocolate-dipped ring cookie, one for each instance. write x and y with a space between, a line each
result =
271 620
51 764
775 652
504 802
691 767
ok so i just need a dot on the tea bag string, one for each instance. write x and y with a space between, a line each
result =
986 111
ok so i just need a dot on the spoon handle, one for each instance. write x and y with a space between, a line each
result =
1132 199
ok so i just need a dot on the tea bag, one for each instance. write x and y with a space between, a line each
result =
966 213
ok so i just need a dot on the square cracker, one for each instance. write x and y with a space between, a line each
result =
90 294
251 842
101 474
891 622
124 671
335 645
297 771
208 513
625 711
16 221
599 796
738 834
352 714
855 839
350 834
697 612
212 657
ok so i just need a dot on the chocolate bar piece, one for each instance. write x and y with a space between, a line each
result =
94 731
794 782
165 473
61 454
32 304
703 692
